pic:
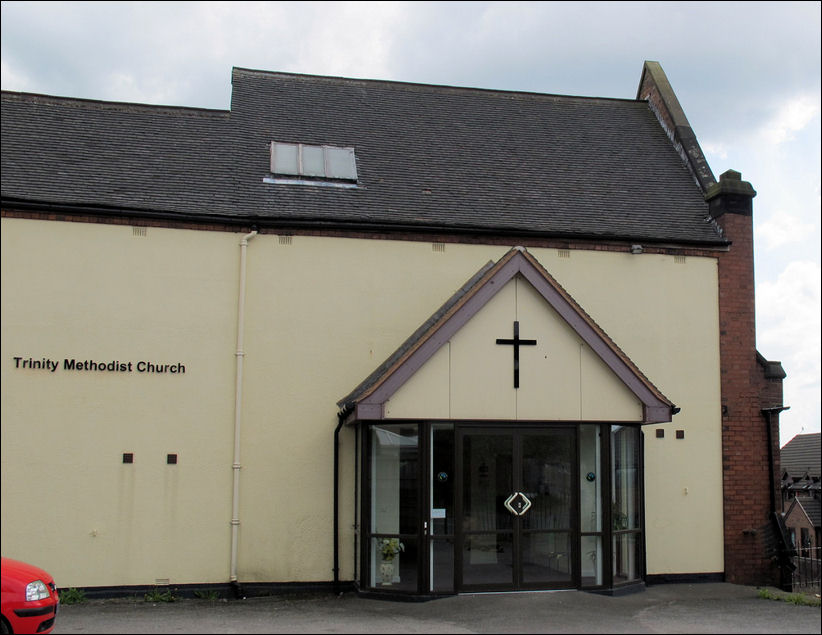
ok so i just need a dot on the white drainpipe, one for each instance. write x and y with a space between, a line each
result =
238 406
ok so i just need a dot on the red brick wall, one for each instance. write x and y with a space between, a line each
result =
748 479
648 90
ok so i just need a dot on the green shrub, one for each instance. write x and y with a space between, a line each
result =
156 595
72 596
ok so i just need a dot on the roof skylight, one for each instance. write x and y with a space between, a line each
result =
313 162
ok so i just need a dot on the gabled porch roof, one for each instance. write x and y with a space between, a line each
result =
367 401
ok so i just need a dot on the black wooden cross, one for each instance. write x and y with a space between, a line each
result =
516 343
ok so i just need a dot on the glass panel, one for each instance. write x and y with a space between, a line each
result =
487 559
394 479
394 563
626 557
625 507
340 164
546 479
358 508
487 482
284 158
313 163
591 560
546 557
590 483
442 479
624 478
442 565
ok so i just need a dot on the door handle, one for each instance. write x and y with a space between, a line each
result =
517 503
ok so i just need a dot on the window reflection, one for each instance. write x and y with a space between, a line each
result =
590 506
394 479
625 507
394 506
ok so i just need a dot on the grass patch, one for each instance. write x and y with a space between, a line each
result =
156 595
800 599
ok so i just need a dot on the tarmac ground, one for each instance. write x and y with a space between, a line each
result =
665 608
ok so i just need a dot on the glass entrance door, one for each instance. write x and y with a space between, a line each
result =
516 526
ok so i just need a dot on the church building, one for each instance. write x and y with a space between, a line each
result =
408 340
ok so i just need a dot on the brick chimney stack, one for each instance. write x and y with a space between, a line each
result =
750 437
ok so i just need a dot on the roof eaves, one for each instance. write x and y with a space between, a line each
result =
125 106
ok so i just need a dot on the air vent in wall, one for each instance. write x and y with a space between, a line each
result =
564 253
285 240
138 231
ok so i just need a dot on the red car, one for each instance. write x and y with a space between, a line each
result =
29 598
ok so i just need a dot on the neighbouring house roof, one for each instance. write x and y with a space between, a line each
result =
800 458
813 509
428 158
810 506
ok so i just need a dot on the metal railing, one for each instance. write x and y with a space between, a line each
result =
806 575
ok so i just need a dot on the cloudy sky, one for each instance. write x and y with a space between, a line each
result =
746 73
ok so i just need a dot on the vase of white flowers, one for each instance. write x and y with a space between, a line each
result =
389 550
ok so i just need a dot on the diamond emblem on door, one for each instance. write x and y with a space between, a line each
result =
518 503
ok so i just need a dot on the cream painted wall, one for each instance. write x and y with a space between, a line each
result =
663 312
321 314
471 377
90 292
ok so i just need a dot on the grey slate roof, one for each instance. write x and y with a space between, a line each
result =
428 158
802 455
811 506
813 509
